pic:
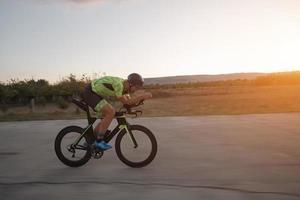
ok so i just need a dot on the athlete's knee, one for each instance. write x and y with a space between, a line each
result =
109 111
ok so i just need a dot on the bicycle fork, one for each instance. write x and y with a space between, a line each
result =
128 131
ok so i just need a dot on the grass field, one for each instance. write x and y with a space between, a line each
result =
219 100
225 100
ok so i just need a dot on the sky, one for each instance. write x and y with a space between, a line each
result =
51 39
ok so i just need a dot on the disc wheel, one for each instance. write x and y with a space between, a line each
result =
67 153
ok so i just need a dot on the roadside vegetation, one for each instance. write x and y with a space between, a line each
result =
273 93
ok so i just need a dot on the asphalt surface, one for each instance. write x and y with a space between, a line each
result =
209 157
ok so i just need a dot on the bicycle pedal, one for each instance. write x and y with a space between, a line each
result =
97 153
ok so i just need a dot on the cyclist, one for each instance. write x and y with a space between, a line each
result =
97 93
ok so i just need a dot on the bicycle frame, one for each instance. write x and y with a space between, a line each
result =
122 125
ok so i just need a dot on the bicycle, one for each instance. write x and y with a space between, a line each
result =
80 145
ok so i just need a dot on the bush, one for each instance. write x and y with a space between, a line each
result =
42 101
4 108
62 103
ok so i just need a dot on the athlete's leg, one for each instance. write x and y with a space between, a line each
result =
108 113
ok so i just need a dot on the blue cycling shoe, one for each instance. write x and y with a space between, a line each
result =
102 145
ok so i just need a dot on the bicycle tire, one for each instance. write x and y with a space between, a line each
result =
146 161
58 150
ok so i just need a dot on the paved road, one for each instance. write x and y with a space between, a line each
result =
209 157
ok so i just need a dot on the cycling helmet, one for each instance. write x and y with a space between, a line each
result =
135 79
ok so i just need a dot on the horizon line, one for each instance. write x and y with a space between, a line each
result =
184 75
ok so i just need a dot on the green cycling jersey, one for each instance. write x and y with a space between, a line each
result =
108 86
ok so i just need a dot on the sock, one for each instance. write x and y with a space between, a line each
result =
99 136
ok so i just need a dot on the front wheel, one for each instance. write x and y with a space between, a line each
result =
143 153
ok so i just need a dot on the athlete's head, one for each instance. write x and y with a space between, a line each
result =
135 81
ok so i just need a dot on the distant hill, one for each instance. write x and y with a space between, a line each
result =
201 78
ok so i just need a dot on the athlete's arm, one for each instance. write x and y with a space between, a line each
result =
134 100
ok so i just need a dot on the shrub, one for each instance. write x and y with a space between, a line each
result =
42 101
4 108
62 103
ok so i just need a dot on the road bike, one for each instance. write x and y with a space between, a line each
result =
135 145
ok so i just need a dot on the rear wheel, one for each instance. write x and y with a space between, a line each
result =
70 155
143 154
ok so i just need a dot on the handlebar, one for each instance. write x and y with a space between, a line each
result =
128 107
133 112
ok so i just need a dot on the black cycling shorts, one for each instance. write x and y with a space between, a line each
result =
90 97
